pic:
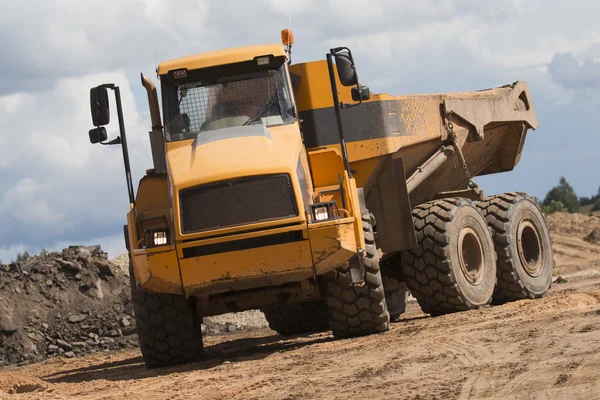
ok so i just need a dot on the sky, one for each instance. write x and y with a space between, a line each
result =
56 189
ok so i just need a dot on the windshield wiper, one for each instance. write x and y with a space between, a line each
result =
270 103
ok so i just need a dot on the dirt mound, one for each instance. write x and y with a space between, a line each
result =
233 322
573 224
575 241
70 302
594 236
76 302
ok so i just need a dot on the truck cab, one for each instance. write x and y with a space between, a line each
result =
241 205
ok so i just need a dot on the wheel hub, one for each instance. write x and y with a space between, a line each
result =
530 248
470 254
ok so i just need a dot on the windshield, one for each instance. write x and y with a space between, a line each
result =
212 99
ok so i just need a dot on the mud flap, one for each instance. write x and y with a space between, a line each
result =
389 201
357 264
357 269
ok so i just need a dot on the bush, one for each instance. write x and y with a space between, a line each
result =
554 206
22 257
563 193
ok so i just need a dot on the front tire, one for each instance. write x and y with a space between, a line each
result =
454 267
168 327
357 311
523 245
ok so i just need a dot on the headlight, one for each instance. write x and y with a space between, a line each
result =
324 211
156 237
321 213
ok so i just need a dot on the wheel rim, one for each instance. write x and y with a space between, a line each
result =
530 248
470 254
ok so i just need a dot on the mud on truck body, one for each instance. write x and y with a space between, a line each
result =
294 190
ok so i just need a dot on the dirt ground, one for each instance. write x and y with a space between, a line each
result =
547 348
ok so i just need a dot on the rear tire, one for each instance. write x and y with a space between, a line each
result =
523 245
168 327
296 318
357 311
454 267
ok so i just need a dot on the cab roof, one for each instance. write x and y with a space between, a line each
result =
220 57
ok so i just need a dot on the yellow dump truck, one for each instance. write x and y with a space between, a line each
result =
292 189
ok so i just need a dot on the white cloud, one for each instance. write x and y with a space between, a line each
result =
9 253
56 186
55 183
572 73
26 203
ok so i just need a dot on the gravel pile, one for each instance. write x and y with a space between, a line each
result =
77 302
64 303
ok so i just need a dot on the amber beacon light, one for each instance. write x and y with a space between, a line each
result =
287 37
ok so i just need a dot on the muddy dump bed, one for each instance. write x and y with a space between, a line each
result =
412 133
490 126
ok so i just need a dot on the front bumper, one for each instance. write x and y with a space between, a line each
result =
202 267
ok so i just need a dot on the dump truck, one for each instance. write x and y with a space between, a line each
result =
292 189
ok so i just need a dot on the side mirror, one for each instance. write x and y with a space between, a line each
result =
99 106
98 135
345 68
360 93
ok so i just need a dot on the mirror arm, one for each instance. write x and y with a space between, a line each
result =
123 139
336 106
346 105
116 140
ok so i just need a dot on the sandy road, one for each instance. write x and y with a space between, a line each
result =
548 348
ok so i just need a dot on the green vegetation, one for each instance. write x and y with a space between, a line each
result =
554 206
563 193
22 257
562 198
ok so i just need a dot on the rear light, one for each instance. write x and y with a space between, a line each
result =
156 237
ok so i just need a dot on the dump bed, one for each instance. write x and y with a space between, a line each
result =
490 125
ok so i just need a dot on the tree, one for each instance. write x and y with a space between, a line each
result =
596 204
564 194
594 201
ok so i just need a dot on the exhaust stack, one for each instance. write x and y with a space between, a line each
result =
157 141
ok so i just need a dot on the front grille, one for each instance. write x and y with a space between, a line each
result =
238 202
